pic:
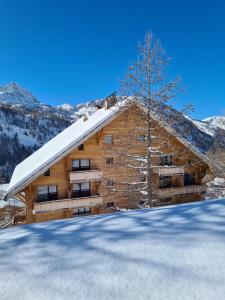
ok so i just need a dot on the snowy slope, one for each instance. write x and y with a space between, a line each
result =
218 121
168 253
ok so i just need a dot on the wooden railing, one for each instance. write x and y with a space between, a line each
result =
189 189
67 203
168 170
88 175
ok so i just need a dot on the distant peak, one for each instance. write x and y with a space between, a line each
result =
13 84
218 121
13 93
66 106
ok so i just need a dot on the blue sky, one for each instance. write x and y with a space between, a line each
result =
74 51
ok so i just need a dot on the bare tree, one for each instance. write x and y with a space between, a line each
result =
141 168
147 81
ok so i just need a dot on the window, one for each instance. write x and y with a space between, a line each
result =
165 182
81 147
47 173
166 160
46 193
109 182
81 189
142 138
42 193
75 164
85 164
80 164
108 139
109 161
189 179
110 204
82 211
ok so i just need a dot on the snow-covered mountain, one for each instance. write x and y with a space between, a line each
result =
218 121
204 126
13 93
26 124
66 107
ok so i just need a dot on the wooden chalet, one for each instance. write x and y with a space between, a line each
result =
80 171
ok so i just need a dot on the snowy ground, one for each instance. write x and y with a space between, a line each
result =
176 252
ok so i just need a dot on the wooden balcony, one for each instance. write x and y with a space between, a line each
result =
168 170
85 176
67 203
189 189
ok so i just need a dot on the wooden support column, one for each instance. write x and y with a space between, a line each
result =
29 206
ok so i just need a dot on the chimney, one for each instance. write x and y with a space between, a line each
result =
110 101
85 117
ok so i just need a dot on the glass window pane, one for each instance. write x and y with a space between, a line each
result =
52 189
75 163
76 187
85 186
108 139
84 163
42 189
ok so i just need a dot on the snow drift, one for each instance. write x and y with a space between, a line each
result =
176 252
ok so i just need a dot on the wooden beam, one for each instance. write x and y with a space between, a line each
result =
20 198
99 135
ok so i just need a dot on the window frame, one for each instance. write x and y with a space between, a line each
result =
50 196
110 204
110 161
81 193
110 142
83 211
166 160
80 168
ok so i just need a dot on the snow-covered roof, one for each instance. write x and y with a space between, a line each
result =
59 146
62 144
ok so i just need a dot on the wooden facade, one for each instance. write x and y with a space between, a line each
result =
75 189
